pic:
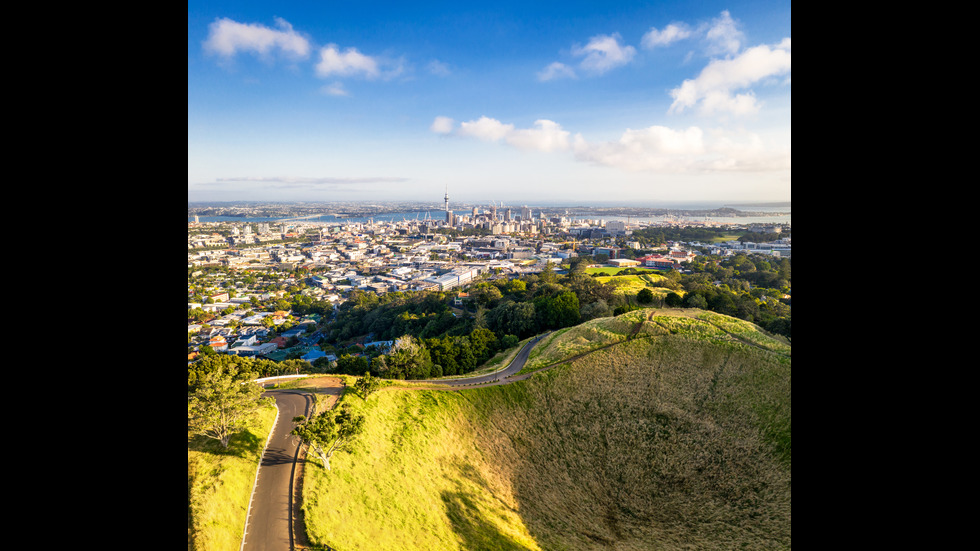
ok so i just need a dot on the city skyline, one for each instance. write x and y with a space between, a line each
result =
385 101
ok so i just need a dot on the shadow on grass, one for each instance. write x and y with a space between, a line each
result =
469 522
242 444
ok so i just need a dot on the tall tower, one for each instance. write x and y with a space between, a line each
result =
449 213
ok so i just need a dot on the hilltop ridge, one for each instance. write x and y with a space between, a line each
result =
670 429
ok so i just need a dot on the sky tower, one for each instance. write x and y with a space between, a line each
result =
449 213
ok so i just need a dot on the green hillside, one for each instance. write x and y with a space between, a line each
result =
674 436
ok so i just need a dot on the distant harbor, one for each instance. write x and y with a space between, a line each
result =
741 213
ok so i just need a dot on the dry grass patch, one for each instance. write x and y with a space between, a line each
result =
657 443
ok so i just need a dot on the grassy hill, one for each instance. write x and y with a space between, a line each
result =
671 430
219 484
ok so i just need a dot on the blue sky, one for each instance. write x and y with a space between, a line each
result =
513 102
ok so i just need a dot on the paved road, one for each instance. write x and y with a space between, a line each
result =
268 524
499 377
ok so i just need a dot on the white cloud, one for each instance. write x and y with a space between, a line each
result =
347 63
664 150
544 135
654 148
227 38
556 70
723 35
442 125
671 33
486 129
714 87
603 52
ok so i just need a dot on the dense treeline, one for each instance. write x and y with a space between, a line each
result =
247 368
754 237
451 341
747 286
434 339
658 235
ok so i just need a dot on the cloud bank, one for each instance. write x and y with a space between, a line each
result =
655 148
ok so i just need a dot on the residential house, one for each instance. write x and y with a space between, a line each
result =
313 355
218 343
280 342
248 340
255 349
296 332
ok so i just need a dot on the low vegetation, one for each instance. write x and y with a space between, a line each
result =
674 436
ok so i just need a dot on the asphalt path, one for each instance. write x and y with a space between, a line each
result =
503 376
270 515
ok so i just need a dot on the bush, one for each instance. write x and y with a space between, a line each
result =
645 296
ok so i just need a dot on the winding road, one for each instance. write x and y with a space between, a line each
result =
271 513
504 376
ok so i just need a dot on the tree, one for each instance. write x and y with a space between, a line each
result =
514 318
222 404
408 359
367 385
547 274
645 296
329 431
351 365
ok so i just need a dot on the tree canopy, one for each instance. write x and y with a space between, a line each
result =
329 432
222 404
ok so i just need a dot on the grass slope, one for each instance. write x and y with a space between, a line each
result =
677 437
219 485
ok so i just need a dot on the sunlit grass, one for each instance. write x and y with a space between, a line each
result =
412 481
219 485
